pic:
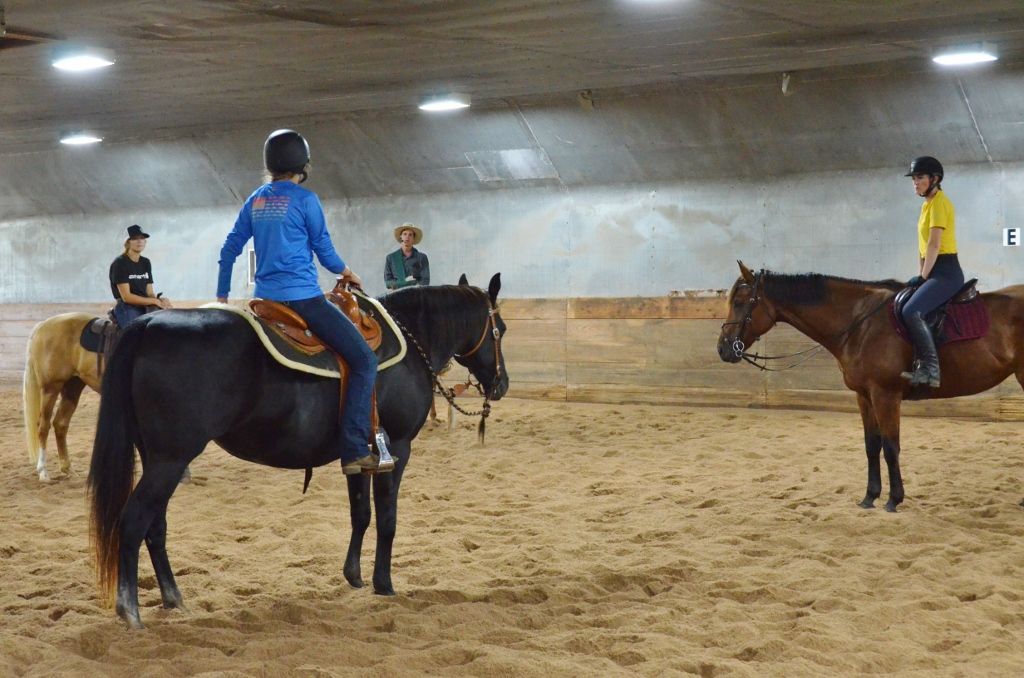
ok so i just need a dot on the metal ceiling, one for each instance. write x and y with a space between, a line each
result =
192 66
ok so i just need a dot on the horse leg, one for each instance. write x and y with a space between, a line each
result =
385 502
146 505
887 411
69 396
359 509
873 447
50 394
156 543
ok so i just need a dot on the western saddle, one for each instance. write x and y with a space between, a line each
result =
291 325
294 329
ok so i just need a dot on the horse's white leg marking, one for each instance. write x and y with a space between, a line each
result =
41 465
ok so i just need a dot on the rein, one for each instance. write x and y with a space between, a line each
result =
752 358
450 394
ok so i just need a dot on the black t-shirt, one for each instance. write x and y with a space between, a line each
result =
138 274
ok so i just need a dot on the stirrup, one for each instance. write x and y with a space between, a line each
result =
920 376
381 441
378 452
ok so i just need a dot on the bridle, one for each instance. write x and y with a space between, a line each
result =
739 348
491 327
449 394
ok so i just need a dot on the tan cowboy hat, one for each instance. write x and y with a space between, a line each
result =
417 233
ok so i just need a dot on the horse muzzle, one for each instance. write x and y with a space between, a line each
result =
500 389
730 350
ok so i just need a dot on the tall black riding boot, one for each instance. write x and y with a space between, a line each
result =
926 366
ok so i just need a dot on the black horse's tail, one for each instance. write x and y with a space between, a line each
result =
112 471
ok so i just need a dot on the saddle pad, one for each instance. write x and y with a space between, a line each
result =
963 322
92 335
323 363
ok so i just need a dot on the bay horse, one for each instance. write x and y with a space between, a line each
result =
849 318
181 378
57 369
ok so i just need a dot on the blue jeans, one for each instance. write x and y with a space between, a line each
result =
945 280
338 332
125 313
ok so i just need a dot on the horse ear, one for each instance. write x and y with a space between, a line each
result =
745 272
493 287
463 280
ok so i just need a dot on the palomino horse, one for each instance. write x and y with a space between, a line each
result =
180 379
57 368
849 319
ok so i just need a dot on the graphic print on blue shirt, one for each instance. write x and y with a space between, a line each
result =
270 207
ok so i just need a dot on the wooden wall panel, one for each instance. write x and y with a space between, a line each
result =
638 350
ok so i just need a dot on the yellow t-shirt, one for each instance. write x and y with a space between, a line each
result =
937 213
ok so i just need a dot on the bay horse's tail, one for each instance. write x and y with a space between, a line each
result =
112 471
31 396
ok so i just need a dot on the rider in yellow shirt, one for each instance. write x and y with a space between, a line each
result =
939 274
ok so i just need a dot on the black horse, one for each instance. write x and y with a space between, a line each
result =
180 379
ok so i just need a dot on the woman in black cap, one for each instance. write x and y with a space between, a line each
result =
131 281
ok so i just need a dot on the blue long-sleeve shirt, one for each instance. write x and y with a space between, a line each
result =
286 223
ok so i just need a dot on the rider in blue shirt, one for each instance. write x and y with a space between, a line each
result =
286 223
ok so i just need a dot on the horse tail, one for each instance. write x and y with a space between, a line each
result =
31 395
112 471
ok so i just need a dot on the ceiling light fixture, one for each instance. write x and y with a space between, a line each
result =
444 102
963 55
80 139
79 59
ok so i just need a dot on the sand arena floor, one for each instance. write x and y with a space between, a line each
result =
584 540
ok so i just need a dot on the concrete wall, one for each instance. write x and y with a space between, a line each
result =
564 242
645 192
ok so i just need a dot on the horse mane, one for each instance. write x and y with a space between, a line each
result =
814 288
444 313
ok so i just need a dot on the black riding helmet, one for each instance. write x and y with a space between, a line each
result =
286 151
926 164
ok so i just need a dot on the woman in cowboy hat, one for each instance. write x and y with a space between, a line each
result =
407 266
131 280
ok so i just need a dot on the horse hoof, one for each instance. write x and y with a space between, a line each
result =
133 622
890 507
44 477
354 577
176 605
866 503
389 591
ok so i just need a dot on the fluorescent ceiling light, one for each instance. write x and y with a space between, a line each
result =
80 139
78 59
966 54
445 102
